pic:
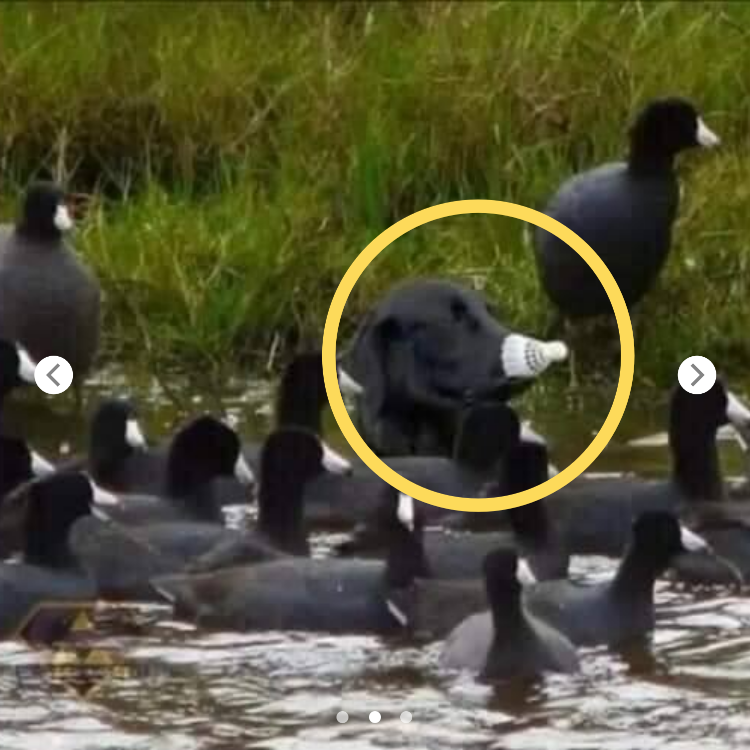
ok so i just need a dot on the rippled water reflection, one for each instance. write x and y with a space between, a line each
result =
283 691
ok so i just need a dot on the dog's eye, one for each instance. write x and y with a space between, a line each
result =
459 309
462 314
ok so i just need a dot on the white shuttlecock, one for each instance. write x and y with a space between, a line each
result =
524 357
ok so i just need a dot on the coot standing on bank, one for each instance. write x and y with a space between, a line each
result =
624 210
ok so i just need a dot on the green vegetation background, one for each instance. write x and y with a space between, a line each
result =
237 157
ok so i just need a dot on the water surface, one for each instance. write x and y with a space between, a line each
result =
282 691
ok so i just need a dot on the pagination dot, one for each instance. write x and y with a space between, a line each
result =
406 717
342 717
375 717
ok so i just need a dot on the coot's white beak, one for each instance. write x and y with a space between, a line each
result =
63 220
737 413
530 435
692 542
398 614
133 435
26 366
738 416
525 574
335 462
243 472
102 497
705 136
348 385
405 512
41 467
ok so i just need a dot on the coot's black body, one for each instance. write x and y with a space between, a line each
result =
624 210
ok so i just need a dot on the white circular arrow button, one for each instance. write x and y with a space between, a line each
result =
697 375
53 375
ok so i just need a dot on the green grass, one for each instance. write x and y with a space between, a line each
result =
241 155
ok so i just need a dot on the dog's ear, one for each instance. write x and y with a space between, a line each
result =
368 360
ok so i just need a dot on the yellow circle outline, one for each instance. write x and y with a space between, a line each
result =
457 208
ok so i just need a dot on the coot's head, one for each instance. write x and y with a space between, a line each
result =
699 415
659 536
54 504
44 213
302 392
16 367
115 423
204 450
664 127
16 464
